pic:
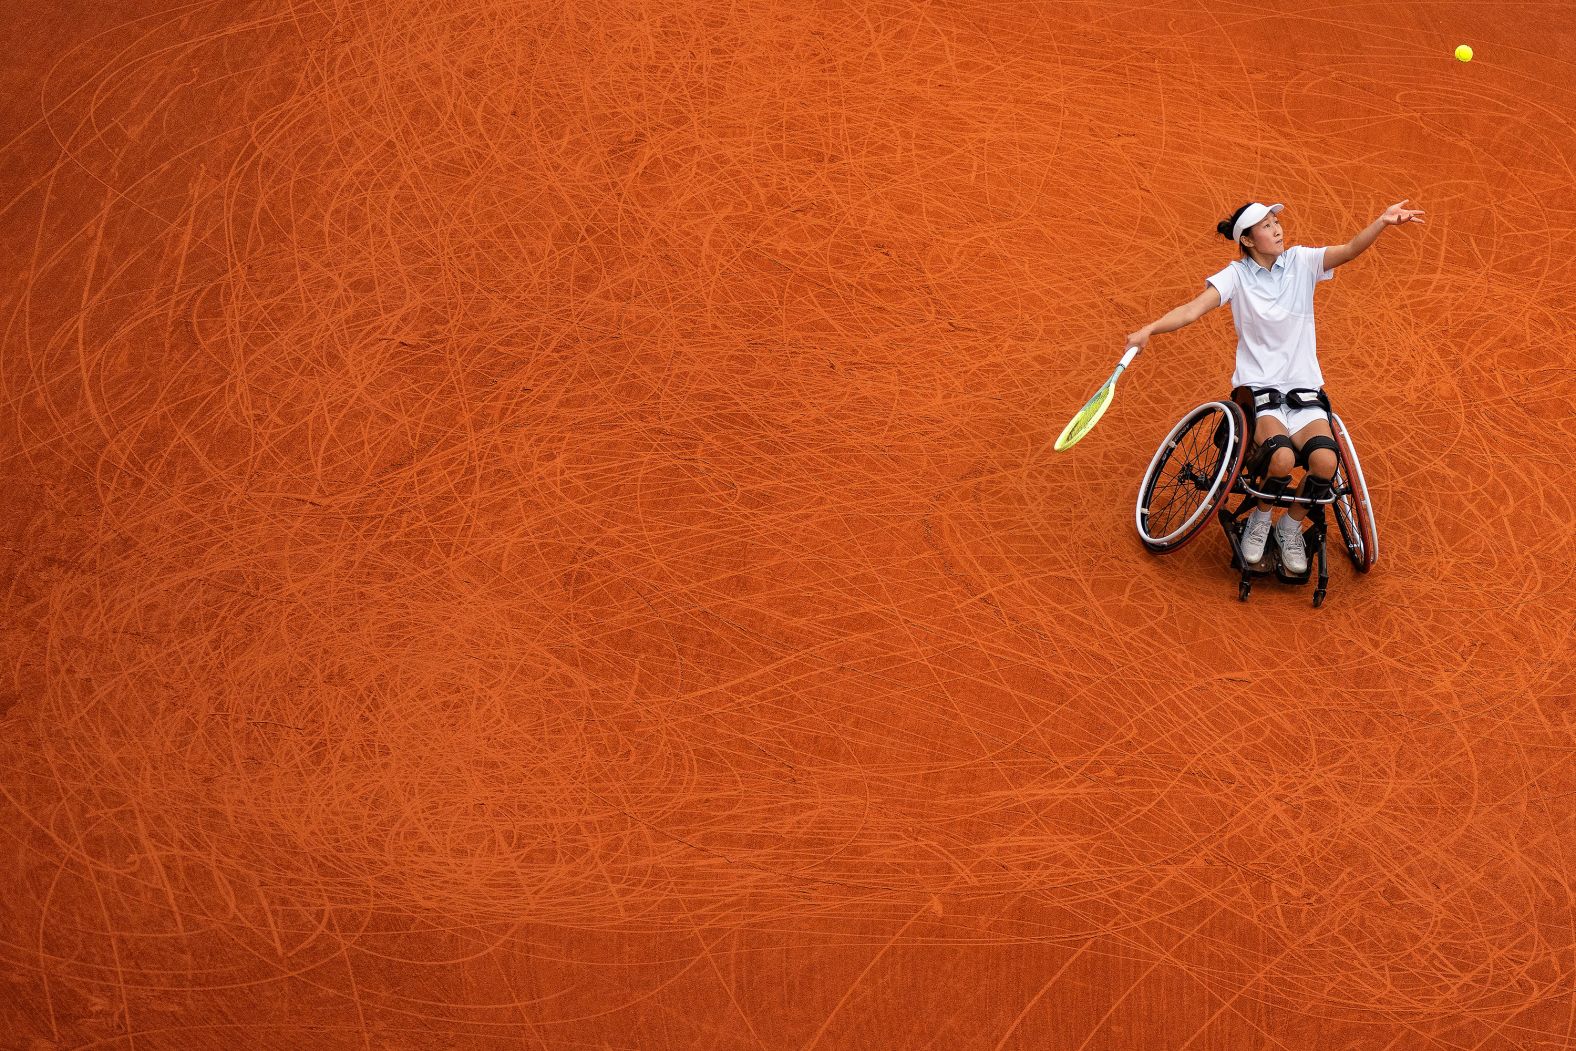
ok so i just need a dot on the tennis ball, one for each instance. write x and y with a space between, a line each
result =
1464 53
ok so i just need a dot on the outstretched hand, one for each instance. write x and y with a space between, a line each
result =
1397 214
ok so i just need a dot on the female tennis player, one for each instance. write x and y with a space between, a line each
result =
1270 289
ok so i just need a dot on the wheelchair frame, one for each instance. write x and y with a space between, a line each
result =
1221 475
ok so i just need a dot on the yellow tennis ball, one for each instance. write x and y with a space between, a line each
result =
1464 53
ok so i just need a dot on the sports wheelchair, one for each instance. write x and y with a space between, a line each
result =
1200 465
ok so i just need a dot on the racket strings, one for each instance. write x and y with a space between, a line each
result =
1086 417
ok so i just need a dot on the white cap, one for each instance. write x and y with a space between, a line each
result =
1252 214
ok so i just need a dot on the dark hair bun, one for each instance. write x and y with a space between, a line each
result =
1225 226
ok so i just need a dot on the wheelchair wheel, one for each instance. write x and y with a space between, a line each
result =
1354 513
1191 473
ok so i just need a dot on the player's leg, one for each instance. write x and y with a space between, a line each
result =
1277 454
1272 470
1316 451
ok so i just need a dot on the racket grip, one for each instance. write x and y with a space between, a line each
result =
1127 359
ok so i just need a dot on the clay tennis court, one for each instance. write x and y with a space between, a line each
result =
534 526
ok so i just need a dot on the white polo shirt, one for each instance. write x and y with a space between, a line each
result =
1273 313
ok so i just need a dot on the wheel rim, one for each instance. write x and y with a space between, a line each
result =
1354 512
1350 534
1188 475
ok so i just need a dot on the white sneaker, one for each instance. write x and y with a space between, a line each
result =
1254 534
1293 552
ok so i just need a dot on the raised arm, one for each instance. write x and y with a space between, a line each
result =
1180 317
1395 215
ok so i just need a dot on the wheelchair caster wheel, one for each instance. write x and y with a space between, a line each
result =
1243 590
1318 598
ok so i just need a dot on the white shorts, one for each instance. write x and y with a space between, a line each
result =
1292 419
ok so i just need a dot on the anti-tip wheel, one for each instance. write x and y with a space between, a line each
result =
1243 590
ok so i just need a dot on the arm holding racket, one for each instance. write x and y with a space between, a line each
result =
1084 419
1180 317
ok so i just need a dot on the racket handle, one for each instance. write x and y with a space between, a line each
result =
1127 359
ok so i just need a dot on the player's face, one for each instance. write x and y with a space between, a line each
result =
1266 238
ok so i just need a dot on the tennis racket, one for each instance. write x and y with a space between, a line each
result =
1084 420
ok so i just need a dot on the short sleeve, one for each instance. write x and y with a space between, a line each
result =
1315 264
1225 283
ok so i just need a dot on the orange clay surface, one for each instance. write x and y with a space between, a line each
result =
531 525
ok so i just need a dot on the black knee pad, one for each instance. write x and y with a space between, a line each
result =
1267 452
1313 445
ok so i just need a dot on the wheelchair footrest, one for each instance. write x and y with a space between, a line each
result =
1286 578
1270 562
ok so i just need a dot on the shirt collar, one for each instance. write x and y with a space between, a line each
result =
1255 268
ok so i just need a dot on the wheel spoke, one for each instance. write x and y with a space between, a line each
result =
1186 476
